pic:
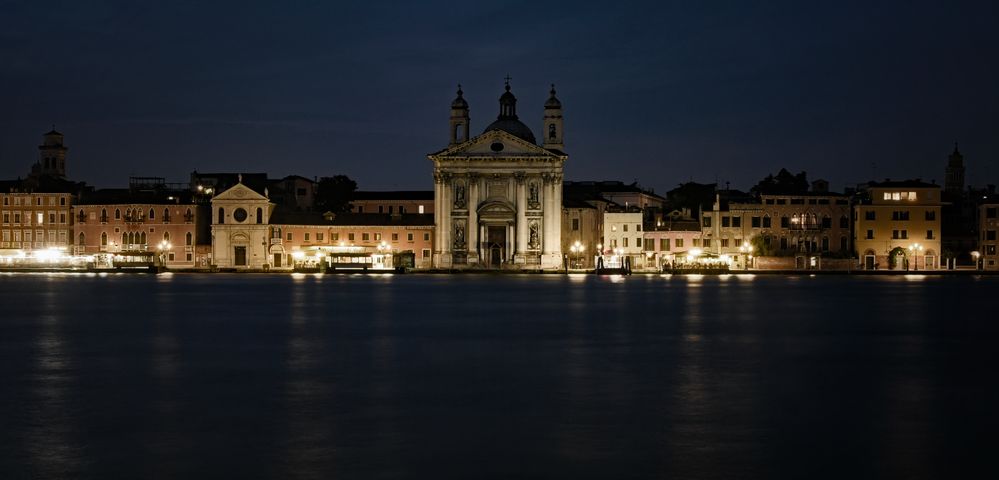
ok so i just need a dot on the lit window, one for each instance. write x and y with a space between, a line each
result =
41 217
912 195
896 196
421 209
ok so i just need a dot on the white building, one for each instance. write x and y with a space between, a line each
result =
498 196
240 230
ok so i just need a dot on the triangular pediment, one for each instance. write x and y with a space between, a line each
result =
495 143
241 193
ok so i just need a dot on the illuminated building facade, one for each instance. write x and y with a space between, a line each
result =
988 232
898 226
498 196
164 228
34 221
418 202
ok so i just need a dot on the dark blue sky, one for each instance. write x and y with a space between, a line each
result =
658 92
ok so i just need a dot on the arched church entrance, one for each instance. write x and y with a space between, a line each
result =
497 220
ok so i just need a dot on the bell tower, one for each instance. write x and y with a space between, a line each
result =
51 156
459 119
553 123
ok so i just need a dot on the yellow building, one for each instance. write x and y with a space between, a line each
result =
898 226
987 231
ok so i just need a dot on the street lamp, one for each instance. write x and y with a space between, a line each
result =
163 247
576 249
747 253
915 249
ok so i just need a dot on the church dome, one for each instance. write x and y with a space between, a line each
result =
514 127
507 120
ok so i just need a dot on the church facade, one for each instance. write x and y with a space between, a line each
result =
498 196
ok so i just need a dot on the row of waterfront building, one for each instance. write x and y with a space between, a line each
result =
499 202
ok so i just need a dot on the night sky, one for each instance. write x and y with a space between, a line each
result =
662 93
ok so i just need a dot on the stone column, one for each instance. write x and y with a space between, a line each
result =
444 223
521 231
473 219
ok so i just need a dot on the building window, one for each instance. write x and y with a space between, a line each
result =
575 224
152 214
365 237
724 243
726 221
650 244
785 222
826 223
900 215
754 222
221 215
931 215
260 215
117 214
409 237
638 228
395 237
707 221
426 253
104 239
664 244
844 222
766 221
990 212
990 234
679 243
929 234
990 250
360 209
624 242
707 243
306 238
289 237
335 237
319 236
421 209
869 215
378 236
426 237
188 239
624 228
737 222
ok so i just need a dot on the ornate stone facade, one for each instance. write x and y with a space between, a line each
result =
498 196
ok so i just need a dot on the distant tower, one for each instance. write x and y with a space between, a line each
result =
954 177
459 119
553 123
51 156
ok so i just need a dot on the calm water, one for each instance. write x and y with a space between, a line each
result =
238 376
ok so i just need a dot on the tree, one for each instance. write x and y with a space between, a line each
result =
333 194
785 183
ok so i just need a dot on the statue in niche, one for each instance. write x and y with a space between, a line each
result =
459 196
535 237
532 198
459 236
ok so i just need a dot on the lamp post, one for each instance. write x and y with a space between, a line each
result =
577 250
915 250
164 246
747 254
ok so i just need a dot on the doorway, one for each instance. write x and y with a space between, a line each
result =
240 256
277 260
495 245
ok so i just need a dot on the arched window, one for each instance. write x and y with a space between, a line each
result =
221 216
260 215
551 131
458 129
126 238
766 221
188 238
142 238
166 214
152 214
82 240
117 214
104 215
104 239
166 236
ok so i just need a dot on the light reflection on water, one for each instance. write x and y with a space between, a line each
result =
418 375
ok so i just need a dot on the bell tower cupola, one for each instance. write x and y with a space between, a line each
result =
459 119
553 123
51 155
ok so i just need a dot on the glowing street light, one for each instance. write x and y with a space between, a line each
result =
915 249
